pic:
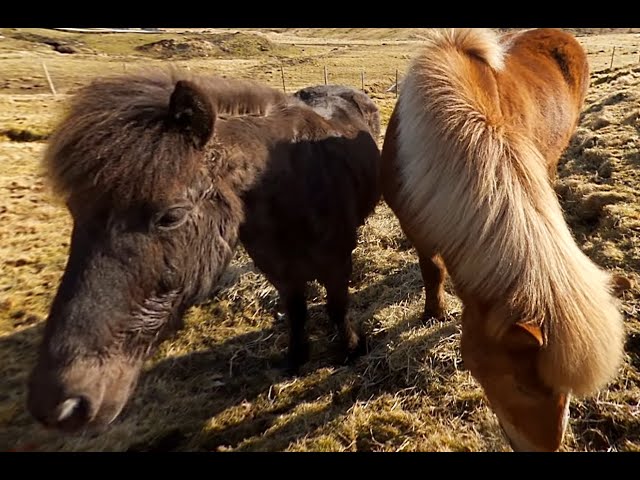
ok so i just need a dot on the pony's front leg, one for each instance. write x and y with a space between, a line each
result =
434 274
295 304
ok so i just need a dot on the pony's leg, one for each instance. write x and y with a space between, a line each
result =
295 304
337 286
434 273
433 276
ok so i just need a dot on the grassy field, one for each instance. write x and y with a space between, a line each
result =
212 387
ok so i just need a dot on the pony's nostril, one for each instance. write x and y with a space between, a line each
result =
73 413
66 408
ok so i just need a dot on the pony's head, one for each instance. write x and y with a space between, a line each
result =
532 415
529 374
342 102
152 232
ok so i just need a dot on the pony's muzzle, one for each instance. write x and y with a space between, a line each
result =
67 414
542 434
73 413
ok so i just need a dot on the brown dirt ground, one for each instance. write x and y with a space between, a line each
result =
211 388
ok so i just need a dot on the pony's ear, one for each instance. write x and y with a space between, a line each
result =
523 336
191 112
620 284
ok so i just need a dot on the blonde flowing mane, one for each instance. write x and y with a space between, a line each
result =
476 183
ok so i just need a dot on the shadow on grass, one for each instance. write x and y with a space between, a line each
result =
256 416
179 397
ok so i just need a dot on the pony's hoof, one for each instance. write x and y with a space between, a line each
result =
286 367
296 357
431 316
290 370
360 349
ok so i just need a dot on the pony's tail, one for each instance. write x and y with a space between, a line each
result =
480 194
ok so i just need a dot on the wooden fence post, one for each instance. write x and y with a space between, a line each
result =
284 87
46 73
397 86
613 52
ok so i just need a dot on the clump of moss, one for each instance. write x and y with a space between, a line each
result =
24 135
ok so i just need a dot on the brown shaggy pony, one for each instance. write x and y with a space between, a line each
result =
163 173
468 157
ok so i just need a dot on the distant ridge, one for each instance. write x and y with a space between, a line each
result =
110 30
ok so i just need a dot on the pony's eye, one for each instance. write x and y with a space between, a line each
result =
171 218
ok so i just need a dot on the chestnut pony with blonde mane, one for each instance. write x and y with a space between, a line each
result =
469 154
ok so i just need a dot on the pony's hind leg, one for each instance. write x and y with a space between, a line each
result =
433 276
337 286
295 305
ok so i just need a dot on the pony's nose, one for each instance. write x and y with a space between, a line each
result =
516 441
57 405
72 413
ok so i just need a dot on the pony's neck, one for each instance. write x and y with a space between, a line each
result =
239 151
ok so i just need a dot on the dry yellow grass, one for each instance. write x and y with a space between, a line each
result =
212 387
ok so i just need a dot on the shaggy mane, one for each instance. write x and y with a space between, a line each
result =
115 139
